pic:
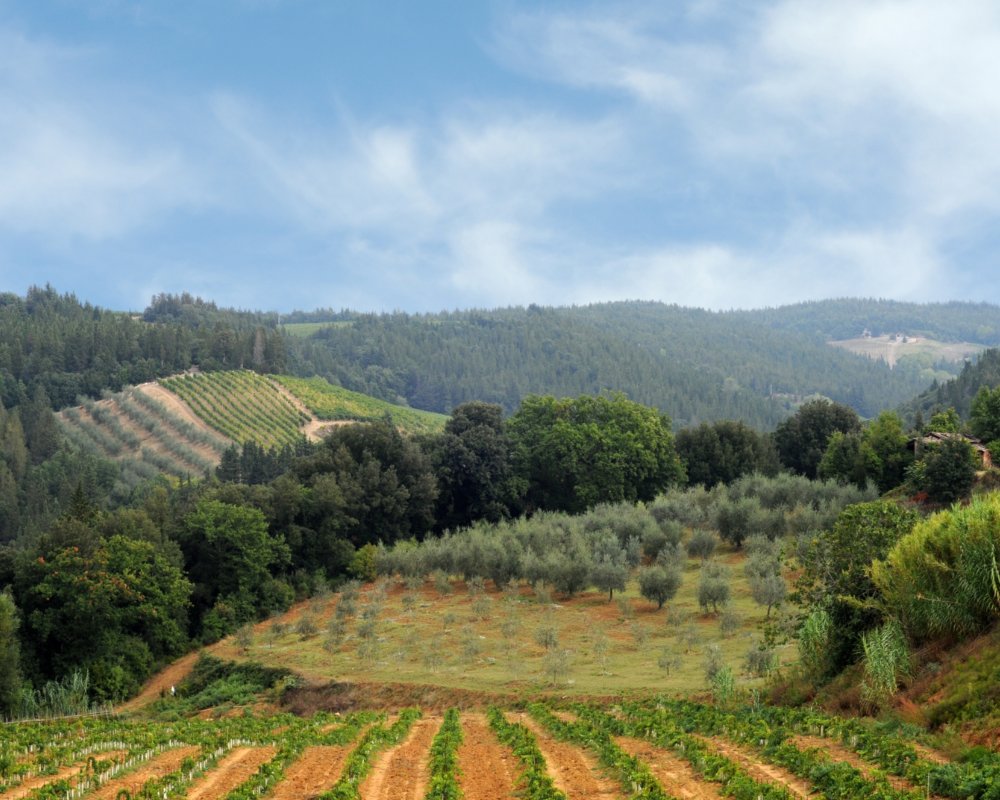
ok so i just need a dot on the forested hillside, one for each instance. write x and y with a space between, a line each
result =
958 393
695 365
848 317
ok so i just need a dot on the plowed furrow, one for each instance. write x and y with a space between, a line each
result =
573 771
233 770
161 765
674 773
401 772
488 770
757 769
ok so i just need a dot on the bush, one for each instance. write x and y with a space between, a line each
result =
713 587
659 584
815 654
702 544
887 659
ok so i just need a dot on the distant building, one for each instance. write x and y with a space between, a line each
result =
932 438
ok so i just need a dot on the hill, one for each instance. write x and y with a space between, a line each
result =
959 391
182 425
846 318
694 365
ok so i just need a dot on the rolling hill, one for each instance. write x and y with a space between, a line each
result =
182 425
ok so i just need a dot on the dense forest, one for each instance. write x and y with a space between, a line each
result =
846 318
695 365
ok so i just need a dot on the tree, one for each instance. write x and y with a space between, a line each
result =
948 471
837 577
658 584
576 453
115 611
802 439
720 452
984 419
10 653
713 586
230 556
884 451
609 570
474 463
385 485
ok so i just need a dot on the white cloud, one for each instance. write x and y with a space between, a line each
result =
72 166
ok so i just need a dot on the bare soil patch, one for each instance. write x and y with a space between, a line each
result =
313 773
234 770
759 770
487 769
157 767
929 754
161 682
674 773
401 772
573 772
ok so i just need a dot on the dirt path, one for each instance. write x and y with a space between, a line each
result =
315 771
674 773
163 680
756 769
180 409
163 764
233 770
573 772
29 785
837 752
928 754
488 770
401 772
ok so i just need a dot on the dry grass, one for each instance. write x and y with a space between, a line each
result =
439 640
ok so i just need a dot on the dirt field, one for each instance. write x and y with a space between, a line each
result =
488 770
573 771
674 773
400 773
232 771
163 764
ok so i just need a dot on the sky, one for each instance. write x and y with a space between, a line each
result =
424 156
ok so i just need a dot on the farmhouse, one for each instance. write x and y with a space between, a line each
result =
932 438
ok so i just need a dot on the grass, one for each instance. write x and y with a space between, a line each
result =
329 402
438 640
305 329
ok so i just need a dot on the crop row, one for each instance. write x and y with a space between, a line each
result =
118 426
330 402
243 406
691 732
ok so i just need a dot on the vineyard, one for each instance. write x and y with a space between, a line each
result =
243 406
138 427
657 749
329 402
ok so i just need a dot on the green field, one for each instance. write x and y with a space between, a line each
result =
241 405
306 329
429 637
332 403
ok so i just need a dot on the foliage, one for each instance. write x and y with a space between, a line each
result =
815 640
576 453
10 655
941 578
837 575
443 783
947 471
214 682
330 402
721 452
536 783
887 658
802 439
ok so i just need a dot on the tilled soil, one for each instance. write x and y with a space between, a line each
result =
235 769
573 772
157 767
315 771
487 769
401 772
759 770
673 772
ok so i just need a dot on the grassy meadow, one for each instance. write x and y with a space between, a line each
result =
492 641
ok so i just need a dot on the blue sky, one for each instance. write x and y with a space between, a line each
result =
282 154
